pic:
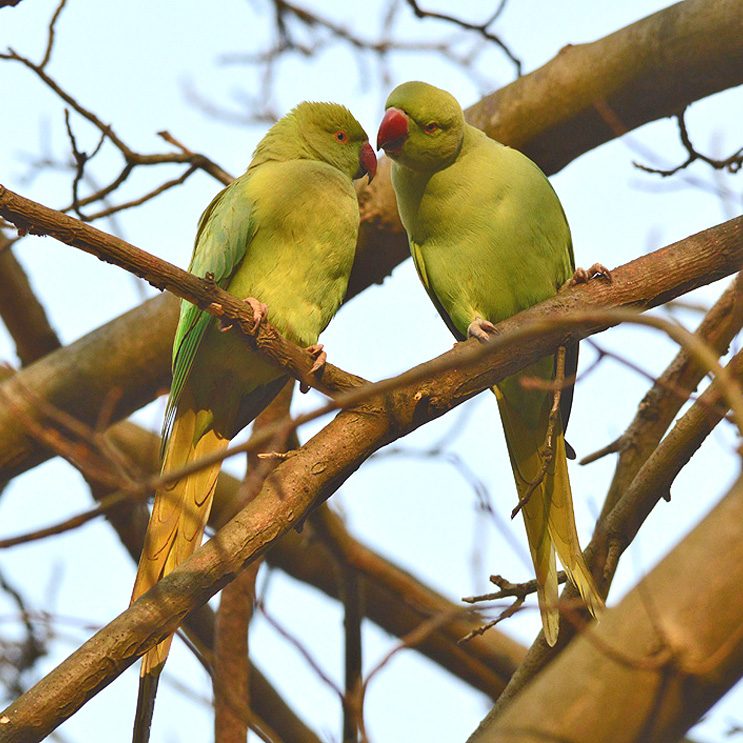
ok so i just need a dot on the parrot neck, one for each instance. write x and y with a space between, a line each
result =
282 142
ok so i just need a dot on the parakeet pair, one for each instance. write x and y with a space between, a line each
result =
283 234
489 238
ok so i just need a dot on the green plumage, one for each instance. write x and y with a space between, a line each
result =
489 238
284 233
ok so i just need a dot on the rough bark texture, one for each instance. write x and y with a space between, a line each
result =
655 663
587 95
330 457
666 397
395 600
22 313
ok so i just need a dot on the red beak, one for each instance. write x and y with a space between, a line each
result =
393 131
367 162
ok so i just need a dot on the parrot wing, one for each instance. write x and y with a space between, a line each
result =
420 267
225 230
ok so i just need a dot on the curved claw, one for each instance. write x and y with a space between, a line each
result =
584 275
321 358
260 312
481 329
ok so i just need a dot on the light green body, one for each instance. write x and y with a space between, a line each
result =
285 234
475 241
489 238
303 224
493 217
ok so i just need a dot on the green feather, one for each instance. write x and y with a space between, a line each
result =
489 238
224 233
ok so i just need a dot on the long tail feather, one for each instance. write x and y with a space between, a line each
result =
175 530
548 514
145 706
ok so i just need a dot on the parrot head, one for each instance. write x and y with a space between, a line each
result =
422 128
330 132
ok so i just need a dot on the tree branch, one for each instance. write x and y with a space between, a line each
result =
614 532
655 663
394 599
389 410
29 216
22 313
666 397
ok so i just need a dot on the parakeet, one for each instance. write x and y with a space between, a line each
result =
489 238
284 234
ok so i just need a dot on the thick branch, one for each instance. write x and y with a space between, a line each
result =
587 95
655 663
616 530
37 219
330 457
666 397
21 311
394 599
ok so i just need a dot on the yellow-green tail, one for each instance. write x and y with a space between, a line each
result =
548 514
179 515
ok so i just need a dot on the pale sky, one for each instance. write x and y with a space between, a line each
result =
138 66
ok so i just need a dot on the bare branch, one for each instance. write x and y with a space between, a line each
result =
653 668
21 311
329 458
663 401
50 41
481 28
732 164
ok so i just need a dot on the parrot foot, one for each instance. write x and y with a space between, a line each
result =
584 275
260 311
481 329
316 350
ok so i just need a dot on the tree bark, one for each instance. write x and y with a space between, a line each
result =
654 664
22 313
383 413
635 71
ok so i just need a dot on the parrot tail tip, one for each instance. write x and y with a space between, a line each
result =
145 705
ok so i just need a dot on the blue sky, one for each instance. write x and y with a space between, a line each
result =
138 66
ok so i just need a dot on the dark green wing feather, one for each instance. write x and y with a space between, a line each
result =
420 267
225 230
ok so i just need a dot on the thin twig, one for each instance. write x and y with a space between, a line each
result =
547 453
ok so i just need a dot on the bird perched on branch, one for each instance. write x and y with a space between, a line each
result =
282 236
489 238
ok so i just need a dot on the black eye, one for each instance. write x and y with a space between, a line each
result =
341 136
431 127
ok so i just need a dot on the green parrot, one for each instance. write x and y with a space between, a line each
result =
489 238
285 231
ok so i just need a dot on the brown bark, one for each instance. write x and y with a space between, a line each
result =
654 664
231 672
615 531
21 311
666 397
394 599
329 458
